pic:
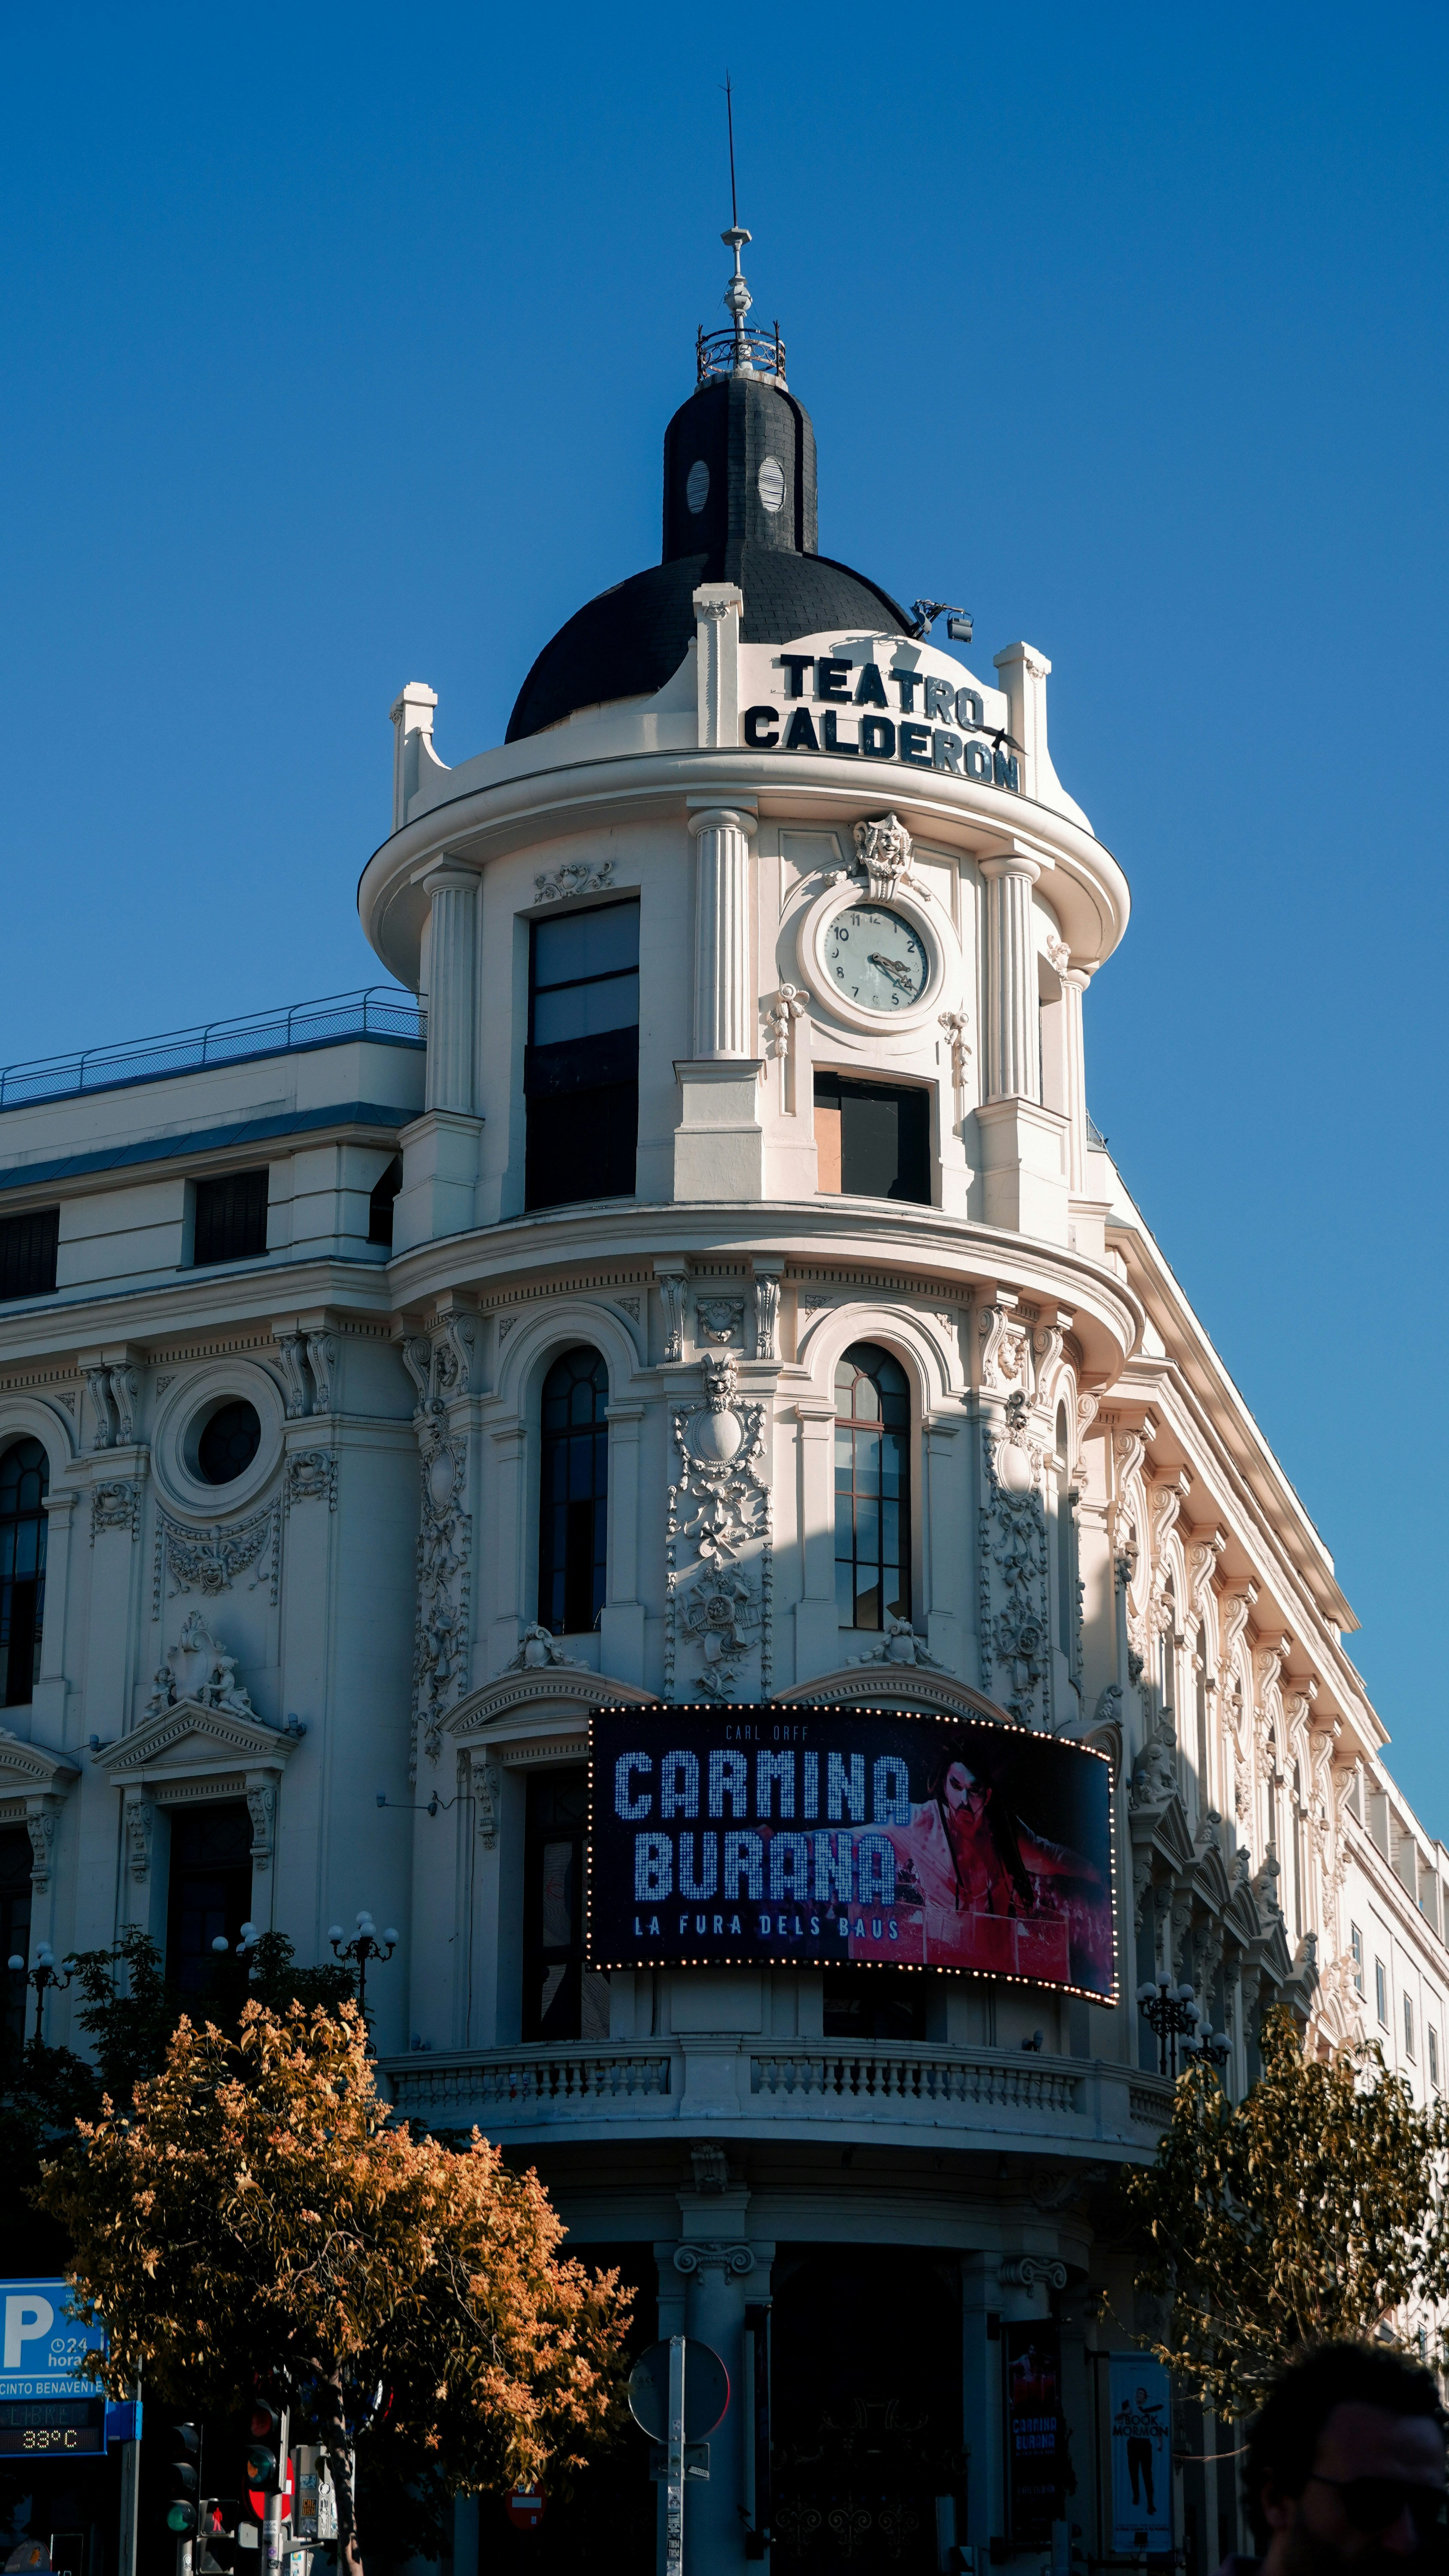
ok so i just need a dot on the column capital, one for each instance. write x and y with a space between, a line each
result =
1010 863
446 874
724 818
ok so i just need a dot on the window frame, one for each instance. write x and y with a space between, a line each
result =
599 1500
904 1608
561 1077
1355 1944
1409 2049
1381 1993
536 1954
31 1584
29 1249
206 1192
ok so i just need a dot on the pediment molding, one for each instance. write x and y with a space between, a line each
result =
32 1770
887 1685
190 1740
532 1706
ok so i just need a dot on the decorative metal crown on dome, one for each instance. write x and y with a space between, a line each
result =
740 351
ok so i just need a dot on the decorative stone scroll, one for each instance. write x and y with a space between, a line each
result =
1015 1615
116 1505
577 877
441 1368
720 1577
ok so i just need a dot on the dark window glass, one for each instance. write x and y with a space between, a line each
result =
15 1868
24 1484
380 1205
581 1064
874 2003
872 1488
231 1218
573 1493
27 1253
873 1139
229 1443
209 1895
562 1999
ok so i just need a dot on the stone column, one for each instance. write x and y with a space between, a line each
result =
724 1023
1075 980
1012 1069
453 920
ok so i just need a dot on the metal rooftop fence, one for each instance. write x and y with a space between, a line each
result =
380 1011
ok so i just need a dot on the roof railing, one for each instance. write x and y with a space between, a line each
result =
741 352
378 1011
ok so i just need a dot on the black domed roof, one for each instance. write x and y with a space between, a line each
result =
739 505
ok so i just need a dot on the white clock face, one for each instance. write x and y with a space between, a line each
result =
875 958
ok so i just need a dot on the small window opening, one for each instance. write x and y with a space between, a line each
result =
231 1218
872 1139
380 1204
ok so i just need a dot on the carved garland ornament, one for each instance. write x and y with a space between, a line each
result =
720 1568
209 1561
1015 1624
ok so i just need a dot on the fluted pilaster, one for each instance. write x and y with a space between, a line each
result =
1013 1048
724 1022
453 895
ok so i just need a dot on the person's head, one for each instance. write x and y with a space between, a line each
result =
1345 2461
963 1787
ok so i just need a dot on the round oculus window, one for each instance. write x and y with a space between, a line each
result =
228 1443
696 487
874 957
771 481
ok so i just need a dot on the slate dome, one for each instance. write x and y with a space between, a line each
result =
739 505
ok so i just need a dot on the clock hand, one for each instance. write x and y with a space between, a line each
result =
889 966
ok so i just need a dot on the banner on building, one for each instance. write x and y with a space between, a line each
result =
1141 2438
786 1837
1036 2461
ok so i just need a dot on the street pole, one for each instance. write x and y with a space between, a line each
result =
674 2507
271 2549
130 2497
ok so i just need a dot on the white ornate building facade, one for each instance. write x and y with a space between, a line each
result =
351 1393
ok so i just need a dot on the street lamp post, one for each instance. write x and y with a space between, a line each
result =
366 1944
42 1977
1173 2013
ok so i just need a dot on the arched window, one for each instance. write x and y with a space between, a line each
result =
24 1484
573 1493
872 1488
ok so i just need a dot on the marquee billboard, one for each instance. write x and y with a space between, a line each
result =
879 1837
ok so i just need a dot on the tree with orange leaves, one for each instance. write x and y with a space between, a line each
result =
258 2213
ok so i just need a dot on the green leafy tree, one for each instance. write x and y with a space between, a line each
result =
1311 2210
259 2211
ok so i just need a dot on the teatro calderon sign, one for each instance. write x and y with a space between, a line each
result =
933 724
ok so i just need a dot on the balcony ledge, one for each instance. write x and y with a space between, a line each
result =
797 2089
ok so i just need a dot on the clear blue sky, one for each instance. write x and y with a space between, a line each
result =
339 346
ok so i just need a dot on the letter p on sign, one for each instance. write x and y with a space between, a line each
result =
25 2317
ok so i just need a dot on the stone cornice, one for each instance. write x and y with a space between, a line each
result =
216 1739
28 1770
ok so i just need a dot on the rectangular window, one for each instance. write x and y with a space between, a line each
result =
875 2003
562 1999
581 1063
231 1218
27 1253
1381 1992
1433 2057
872 1139
1356 1942
1408 2026
209 1891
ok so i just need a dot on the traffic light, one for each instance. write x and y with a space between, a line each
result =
181 2511
266 2449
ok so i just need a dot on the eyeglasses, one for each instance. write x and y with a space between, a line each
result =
1373 2504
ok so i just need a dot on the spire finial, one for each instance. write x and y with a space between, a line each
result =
741 352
